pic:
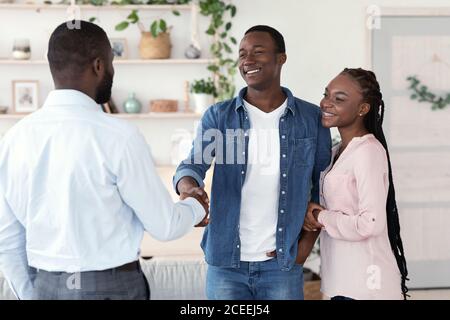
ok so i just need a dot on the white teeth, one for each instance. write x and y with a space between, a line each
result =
253 71
326 114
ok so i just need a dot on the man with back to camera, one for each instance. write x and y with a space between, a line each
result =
78 187
269 149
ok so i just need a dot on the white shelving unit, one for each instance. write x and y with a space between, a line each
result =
149 79
8 62
20 6
118 62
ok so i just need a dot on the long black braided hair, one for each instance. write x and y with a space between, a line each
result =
373 122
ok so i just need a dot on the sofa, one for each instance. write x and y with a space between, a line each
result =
169 278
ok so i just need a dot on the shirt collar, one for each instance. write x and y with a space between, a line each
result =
70 97
290 99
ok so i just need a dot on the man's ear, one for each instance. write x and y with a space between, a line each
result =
282 58
364 109
98 67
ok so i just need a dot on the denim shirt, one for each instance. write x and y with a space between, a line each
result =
222 140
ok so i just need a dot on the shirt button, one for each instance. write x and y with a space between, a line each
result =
284 156
242 172
283 137
237 246
282 120
280 229
282 211
284 175
282 192
280 250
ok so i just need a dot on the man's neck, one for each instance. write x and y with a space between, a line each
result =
266 100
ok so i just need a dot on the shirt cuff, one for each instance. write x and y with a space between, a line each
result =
187 173
197 208
321 218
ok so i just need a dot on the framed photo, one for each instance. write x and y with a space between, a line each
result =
25 96
119 47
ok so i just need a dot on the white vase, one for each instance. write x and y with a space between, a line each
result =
202 102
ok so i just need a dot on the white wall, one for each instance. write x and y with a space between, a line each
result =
322 37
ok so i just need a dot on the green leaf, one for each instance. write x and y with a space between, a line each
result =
154 29
223 35
122 26
211 31
176 12
233 11
92 19
162 25
413 96
213 68
227 48
228 26
133 16
233 40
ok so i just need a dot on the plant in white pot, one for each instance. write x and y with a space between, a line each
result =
204 92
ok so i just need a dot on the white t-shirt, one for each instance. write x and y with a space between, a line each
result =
259 202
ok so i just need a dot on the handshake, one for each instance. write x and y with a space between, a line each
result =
188 188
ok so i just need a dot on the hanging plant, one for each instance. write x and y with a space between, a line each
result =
422 94
224 66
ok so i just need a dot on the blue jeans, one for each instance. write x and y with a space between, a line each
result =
254 281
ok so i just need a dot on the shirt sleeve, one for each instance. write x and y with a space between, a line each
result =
13 257
142 189
371 174
196 165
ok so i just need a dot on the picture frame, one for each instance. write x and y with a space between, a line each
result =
25 96
119 47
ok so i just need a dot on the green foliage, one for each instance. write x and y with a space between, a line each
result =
224 67
204 86
422 94
158 27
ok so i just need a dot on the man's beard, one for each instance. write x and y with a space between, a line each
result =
104 89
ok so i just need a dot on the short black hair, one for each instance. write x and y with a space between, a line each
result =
75 44
276 36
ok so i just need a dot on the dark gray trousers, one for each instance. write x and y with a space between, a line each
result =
111 284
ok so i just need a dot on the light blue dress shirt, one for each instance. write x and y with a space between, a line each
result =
78 188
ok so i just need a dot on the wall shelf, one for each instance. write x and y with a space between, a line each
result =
150 115
38 7
116 62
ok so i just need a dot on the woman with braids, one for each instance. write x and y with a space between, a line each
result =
361 249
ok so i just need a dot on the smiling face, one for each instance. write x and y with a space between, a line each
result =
342 105
259 62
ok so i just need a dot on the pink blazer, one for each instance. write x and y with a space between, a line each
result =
356 257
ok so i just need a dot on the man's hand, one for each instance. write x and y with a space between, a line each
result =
311 223
202 197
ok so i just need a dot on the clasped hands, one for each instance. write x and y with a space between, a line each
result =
311 218
189 189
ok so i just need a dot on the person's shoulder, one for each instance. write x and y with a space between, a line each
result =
307 107
221 110
369 148
116 126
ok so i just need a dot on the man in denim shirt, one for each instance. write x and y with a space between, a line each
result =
269 149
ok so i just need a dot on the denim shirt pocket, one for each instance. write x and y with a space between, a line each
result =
304 150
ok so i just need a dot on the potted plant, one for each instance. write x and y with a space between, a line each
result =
155 42
204 92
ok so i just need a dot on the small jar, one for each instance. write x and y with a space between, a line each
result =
21 49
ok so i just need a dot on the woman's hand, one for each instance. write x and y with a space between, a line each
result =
312 212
